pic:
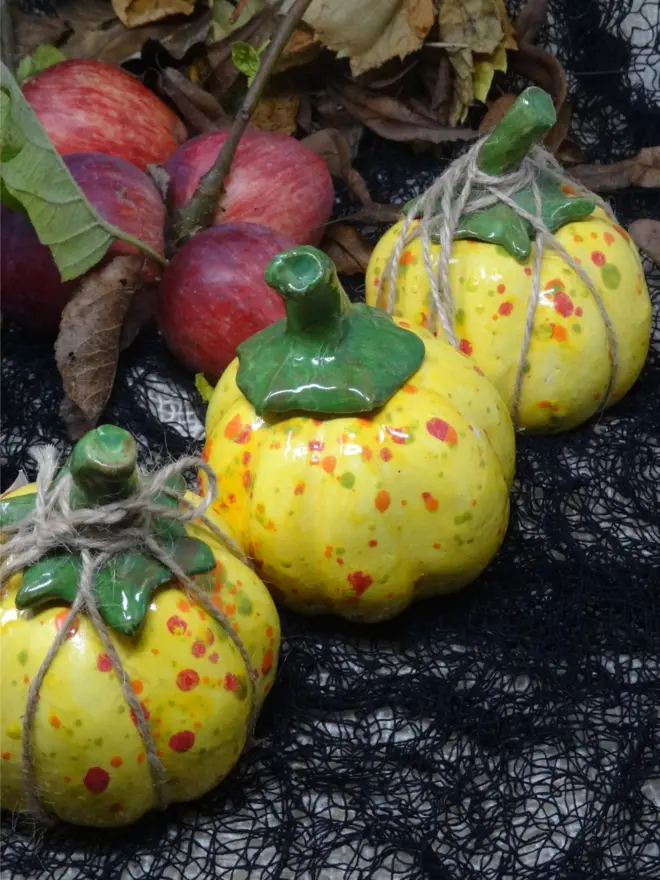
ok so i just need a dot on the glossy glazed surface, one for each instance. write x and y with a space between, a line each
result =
360 515
188 674
568 366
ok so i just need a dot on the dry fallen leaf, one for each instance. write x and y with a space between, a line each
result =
199 109
276 113
392 119
495 112
31 31
347 249
570 153
134 13
643 170
87 346
530 20
367 32
646 235
470 24
302 48
333 147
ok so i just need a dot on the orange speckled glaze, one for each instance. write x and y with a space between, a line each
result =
362 515
187 673
568 365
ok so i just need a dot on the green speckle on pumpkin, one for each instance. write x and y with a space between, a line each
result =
543 331
460 316
121 709
98 741
526 367
462 518
577 328
347 480
610 275
243 603
78 722
340 551
22 657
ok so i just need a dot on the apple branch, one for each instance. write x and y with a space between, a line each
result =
198 213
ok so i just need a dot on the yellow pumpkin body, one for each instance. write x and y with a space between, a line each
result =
362 515
568 365
188 674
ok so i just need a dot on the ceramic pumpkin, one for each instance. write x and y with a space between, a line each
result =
568 372
362 463
189 676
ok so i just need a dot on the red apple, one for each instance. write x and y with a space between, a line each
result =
88 106
33 293
274 180
213 294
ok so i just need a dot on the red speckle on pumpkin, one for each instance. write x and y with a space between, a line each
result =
568 189
327 552
559 333
182 741
116 761
382 501
146 713
563 304
609 238
60 620
232 682
244 435
622 232
407 258
96 780
442 430
505 308
137 686
300 488
213 658
501 288
410 389
329 464
527 270
578 312
247 477
577 239
340 561
209 638
373 542
367 453
232 428
103 663
465 346
246 459
398 435
386 454
6 756
182 605
360 581
430 503
267 663
315 446
198 648
478 371
598 258
404 324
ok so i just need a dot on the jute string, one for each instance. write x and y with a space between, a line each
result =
98 534
464 188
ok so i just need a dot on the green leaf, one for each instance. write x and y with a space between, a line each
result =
44 56
246 58
33 174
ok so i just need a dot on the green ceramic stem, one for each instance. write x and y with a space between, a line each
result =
313 297
528 120
103 467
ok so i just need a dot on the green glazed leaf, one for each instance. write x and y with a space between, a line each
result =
35 176
44 56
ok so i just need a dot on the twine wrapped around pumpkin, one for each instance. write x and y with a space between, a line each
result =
465 188
99 534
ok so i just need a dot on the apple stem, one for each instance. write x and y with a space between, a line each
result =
198 213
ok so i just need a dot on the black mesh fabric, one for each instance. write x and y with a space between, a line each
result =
509 732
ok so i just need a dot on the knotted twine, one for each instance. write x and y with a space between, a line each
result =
464 188
98 534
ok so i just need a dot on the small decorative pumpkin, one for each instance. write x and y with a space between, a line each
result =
557 348
362 463
187 673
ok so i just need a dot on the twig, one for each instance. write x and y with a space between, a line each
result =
198 213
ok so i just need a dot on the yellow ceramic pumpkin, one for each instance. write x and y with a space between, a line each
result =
568 372
189 676
361 463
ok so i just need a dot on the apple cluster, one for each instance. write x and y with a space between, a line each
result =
110 130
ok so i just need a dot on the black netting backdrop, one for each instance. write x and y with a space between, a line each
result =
510 732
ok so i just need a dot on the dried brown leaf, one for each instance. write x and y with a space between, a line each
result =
530 20
569 153
376 214
87 346
333 147
347 249
542 68
141 311
134 13
646 235
470 24
392 119
462 62
441 92
495 112
276 113
199 109
31 31
302 48
643 170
